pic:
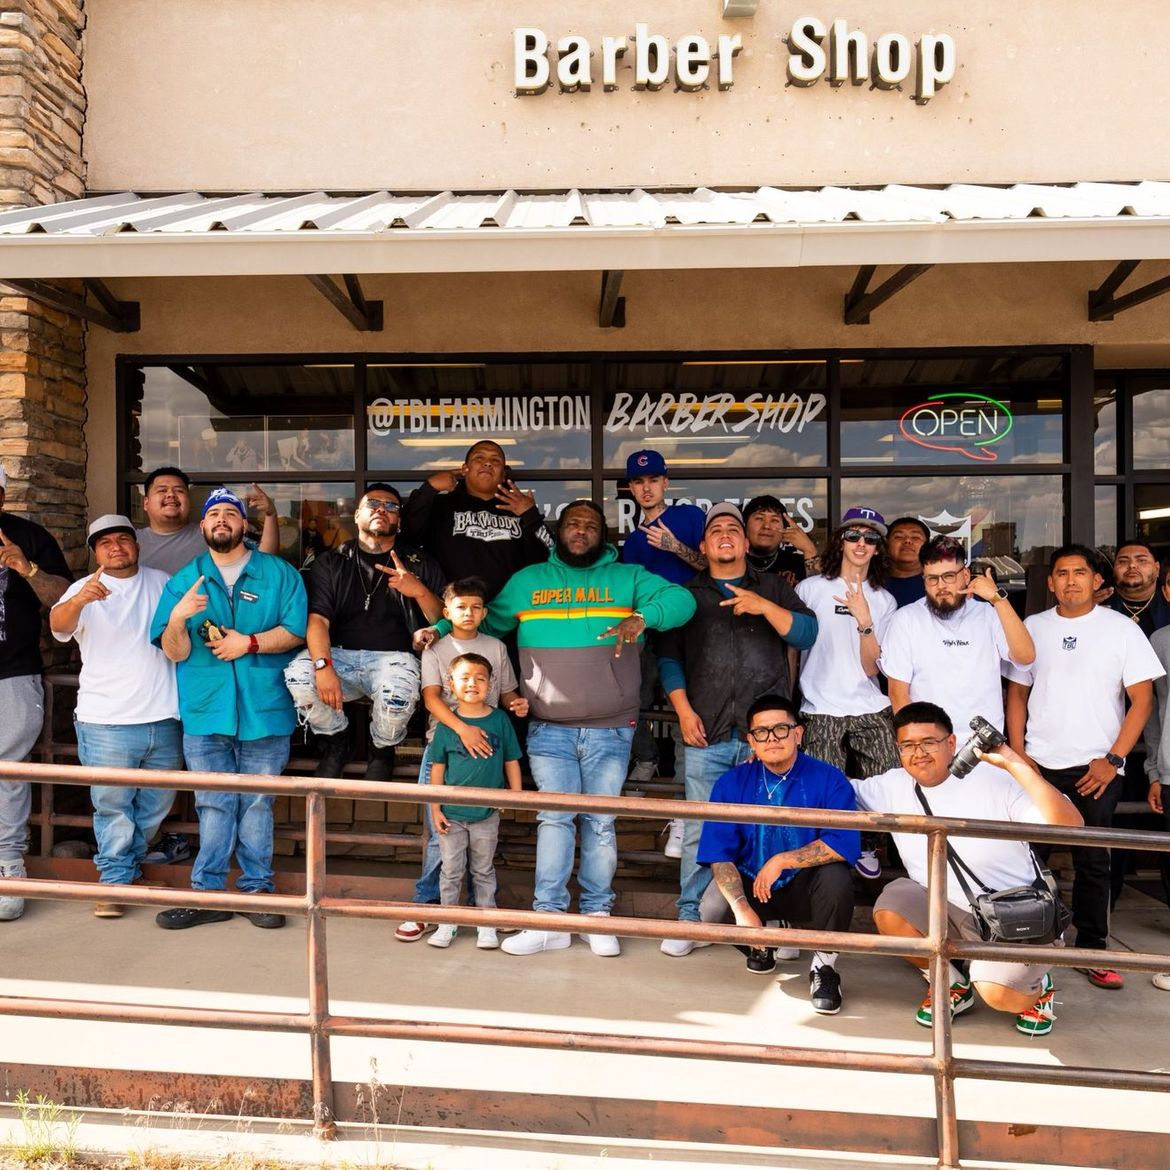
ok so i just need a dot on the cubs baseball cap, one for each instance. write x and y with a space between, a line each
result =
645 463
722 510
875 520
223 495
111 522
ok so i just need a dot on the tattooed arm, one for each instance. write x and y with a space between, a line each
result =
730 884
661 537
814 853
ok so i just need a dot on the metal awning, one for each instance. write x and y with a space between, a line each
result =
190 234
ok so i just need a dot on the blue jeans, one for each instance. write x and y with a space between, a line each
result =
703 767
589 761
125 819
389 679
234 822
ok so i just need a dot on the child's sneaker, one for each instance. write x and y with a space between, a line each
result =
485 938
1038 1019
962 997
443 936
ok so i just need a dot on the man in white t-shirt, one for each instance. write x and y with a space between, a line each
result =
949 647
1017 793
127 702
845 714
1067 713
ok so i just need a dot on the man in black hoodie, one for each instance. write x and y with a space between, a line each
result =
477 524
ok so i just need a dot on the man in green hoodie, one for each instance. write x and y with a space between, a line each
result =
574 615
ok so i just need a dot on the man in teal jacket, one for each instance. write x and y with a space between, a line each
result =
231 620
574 615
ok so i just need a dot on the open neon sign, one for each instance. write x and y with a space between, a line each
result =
970 424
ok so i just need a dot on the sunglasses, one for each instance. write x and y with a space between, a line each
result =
853 535
779 731
390 506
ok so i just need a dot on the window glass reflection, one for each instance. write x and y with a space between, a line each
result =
1151 427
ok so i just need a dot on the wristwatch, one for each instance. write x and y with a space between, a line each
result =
863 630
1114 759
321 663
253 644
1000 595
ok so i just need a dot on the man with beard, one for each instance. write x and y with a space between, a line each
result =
231 619
477 523
366 600
776 543
170 540
904 544
1066 713
947 648
714 668
573 616
127 703
33 573
1136 595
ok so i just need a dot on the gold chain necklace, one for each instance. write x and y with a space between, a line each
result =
1135 614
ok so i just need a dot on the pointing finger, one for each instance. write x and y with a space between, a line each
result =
198 581
397 563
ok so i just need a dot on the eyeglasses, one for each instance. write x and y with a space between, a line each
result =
930 746
390 506
853 535
941 578
779 731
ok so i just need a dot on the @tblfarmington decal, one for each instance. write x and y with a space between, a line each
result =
968 424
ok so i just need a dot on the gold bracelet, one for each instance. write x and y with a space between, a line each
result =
33 571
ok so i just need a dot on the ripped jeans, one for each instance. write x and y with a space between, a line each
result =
388 678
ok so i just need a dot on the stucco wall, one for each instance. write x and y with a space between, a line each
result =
417 94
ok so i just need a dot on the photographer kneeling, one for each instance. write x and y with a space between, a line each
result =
926 746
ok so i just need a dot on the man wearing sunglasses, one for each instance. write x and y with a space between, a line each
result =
791 873
948 647
366 600
1008 789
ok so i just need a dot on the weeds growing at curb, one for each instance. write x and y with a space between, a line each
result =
49 1132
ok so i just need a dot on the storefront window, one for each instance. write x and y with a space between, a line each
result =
1151 426
718 414
1152 503
1105 433
1105 518
959 411
1010 521
424 417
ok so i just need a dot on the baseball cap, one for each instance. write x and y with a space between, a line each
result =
722 510
223 495
111 522
645 463
875 520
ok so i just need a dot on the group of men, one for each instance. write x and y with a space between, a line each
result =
787 669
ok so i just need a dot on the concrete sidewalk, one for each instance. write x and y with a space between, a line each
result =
61 950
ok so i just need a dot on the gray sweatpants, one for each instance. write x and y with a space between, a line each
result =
23 702
473 841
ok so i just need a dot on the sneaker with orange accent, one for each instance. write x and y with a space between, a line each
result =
1038 1019
1104 977
962 997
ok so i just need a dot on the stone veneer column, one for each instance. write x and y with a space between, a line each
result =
42 352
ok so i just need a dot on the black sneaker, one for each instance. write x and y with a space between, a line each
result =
824 991
336 752
264 919
380 765
761 960
183 917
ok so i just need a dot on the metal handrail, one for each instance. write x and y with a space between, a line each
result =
316 906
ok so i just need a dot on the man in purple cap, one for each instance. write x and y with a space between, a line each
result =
231 620
127 702
717 665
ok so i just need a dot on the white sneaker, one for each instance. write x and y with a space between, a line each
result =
674 839
532 942
444 936
869 865
11 908
1162 980
485 938
784 954
676 948
643 772
605 945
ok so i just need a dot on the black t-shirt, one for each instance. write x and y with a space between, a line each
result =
20 608
785 561
364 612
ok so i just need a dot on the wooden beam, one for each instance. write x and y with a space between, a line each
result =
611 313
1104 306
859 303
115 315
363 315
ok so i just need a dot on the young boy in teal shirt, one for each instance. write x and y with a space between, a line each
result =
468 834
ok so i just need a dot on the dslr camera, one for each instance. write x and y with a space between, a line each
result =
986 738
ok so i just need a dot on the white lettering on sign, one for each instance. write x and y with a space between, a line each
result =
690 414
799 507
815 49
416 416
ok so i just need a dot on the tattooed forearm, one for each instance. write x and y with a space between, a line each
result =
727 878
684 552
814 853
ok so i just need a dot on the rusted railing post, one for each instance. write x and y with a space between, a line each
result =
46 743
946 1117
324 1125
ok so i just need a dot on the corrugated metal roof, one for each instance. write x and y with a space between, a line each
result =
380 211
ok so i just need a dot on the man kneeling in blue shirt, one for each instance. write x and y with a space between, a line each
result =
791 873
